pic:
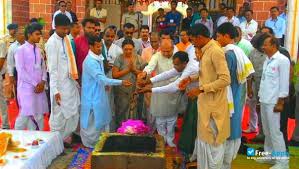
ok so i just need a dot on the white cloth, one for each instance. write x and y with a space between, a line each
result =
11 57
166 128
234 20
249 29
275 79
253 117
113 52
38 158
25 122
231 152
58 12
209 156
61 83
273 136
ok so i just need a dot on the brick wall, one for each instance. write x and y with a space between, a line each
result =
20 11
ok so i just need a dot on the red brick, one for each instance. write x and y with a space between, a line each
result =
258 6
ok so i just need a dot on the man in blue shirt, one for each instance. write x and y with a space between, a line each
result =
277 24
95 114
173 20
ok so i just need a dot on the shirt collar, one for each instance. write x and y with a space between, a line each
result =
275 55
57 36
30 45
96 57
208 45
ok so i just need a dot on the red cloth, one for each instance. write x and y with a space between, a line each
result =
82 49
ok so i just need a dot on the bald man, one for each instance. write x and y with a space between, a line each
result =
163 106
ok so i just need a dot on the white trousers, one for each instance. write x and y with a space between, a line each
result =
166 128
26 122
253 121
209 156
90 135
231 152
271 126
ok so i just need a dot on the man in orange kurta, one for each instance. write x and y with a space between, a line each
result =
213 127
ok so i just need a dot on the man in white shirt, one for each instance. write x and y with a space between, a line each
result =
62 9
100 14
248 27
274 88
230 17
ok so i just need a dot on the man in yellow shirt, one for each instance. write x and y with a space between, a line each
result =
100 14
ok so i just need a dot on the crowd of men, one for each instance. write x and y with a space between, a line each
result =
94 81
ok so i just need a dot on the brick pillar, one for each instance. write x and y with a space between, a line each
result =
81 9
20 11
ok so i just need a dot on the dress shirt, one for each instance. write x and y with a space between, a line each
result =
11 58
145 44
278 25
113 52
275 79
234 20
58 12
249 29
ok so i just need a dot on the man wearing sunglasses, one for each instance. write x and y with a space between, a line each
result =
62 9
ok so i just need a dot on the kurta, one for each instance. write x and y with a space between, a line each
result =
31 71
162 104
94 96
64 118
235 121
214 77
82 49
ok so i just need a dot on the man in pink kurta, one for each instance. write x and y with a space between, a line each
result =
32 76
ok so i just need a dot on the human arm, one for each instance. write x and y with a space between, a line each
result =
152 64
165 75
116 72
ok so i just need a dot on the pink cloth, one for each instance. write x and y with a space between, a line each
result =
82 49
31 71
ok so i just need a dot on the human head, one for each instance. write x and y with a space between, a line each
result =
256 42
226 33
173 4
248 15
270 44
62 24
95 44
266 29
144 32
129 30
274 12
164 34
189 12
99 4
204 13
20 36
75 29
238 34
161 11
246 5
201 5
222 6
184 36
88 26
69 6
155 40
109 36
97 29
32 20
200 35
62 6
12 29
180 60
230 12
128 47
166 48
131 8
241 11
120 34
33 32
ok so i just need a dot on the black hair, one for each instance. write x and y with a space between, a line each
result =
61 2
120 34
93 39
270 29
112 27
129 26
274 7
274 41
51 32
128 41
182 56
204 9
31 28
32 20
73 24
222 4
227 28
199 29
189 9
174 2
256 42
86 20
160 9
97 24
231 8
203 4
249 10
109 28
62 20
144 27
165 32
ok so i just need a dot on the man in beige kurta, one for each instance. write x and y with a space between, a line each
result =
213 126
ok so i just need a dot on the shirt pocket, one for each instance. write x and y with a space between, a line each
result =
272 74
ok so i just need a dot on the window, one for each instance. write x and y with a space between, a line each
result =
5 15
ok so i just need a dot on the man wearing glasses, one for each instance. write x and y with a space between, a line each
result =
62 9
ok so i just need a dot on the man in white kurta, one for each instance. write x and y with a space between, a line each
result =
64 93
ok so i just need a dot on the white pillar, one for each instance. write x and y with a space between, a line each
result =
292 33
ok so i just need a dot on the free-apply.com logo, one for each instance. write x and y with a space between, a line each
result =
257 154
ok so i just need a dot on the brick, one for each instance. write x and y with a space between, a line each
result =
258 6
269 5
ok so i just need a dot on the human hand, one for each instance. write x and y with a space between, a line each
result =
58 98
40 87
145 90
193 93
249 93
184 83
126 83
279 106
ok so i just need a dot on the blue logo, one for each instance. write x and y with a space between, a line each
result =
250 152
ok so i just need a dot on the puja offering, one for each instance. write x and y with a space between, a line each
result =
7 144
2 162
35 144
